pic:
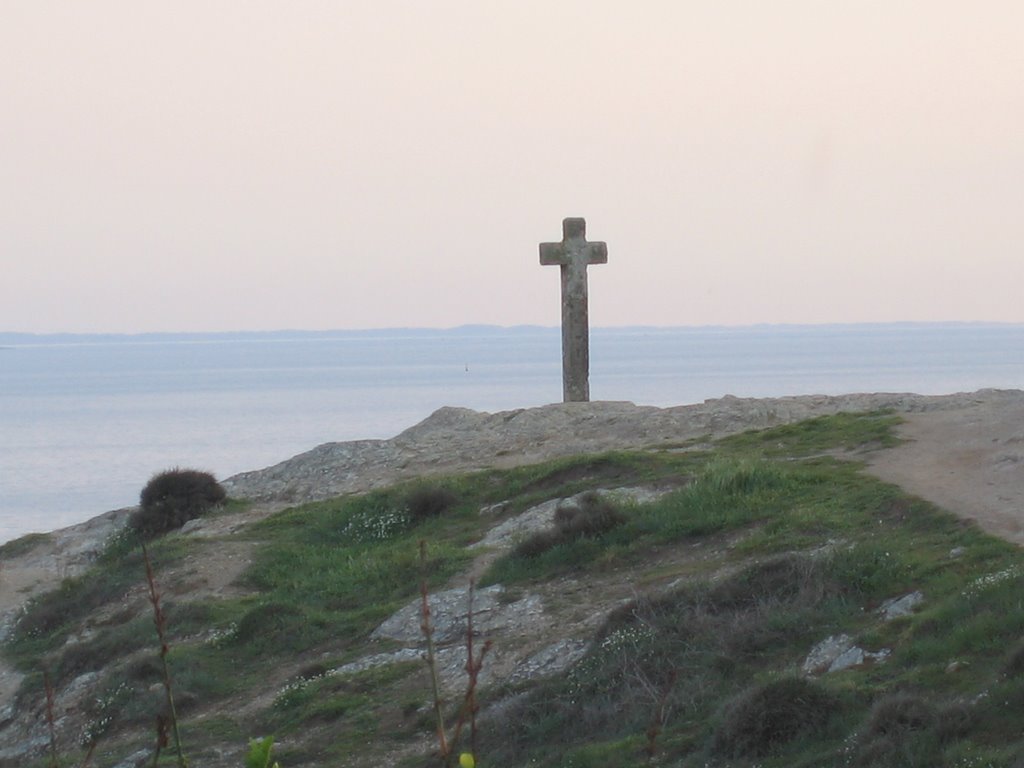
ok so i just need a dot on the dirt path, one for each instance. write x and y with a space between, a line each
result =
969 461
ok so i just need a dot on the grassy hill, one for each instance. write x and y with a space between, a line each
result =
692 617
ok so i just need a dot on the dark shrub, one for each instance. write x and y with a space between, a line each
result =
590 517
899 713
769 716
955 720
785 579
428 501
1013 665
902 729
172 498
273 627
145 669
537 544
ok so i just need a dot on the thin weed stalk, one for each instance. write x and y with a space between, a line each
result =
428 634
50 719
88 754
51 724
160 620
473 666
474 663
660 715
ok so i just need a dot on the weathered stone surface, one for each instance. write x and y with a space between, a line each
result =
851 657
548 661
900 606
825 653
459 439
573 255
542 516
506 534
30 745
855 656
137 759
378 660
449 613
836 653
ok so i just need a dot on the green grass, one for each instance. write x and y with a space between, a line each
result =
49 618
798 544
842 431
22 545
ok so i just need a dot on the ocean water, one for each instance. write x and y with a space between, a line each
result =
86 420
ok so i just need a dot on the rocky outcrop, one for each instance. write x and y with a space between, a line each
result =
460 439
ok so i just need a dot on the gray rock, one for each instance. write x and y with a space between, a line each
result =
550 660
463 439
856 656
542 516
900 606
449 612
493 510
512 530
851 657
824 654
377 660
136 759
25 748
836 653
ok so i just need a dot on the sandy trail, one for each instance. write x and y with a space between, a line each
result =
969 461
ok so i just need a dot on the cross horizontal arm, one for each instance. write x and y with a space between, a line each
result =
574 250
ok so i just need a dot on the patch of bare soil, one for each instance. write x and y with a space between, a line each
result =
969 461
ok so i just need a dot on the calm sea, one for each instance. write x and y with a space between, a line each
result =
86 420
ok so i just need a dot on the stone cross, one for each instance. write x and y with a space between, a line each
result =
573 255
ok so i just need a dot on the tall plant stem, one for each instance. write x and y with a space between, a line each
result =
161 630
474 663
428 634
50 718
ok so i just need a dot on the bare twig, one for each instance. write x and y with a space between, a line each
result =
473 666
88 754
160 620
428 634
50 719
660 715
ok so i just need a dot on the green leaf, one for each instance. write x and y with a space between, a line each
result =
259 753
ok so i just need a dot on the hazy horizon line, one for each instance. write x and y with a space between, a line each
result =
524 327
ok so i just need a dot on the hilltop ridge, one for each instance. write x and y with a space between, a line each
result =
460 439
963 451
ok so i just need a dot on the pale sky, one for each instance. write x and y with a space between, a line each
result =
251 165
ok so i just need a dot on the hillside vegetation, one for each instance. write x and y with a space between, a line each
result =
693 616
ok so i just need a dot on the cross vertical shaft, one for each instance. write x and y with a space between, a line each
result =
574 254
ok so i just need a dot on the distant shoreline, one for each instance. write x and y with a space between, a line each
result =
12 339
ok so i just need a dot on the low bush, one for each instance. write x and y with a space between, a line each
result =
784 579
901 729
899 713
1013 664
771 715
172 498
269 625
592 516
429 501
